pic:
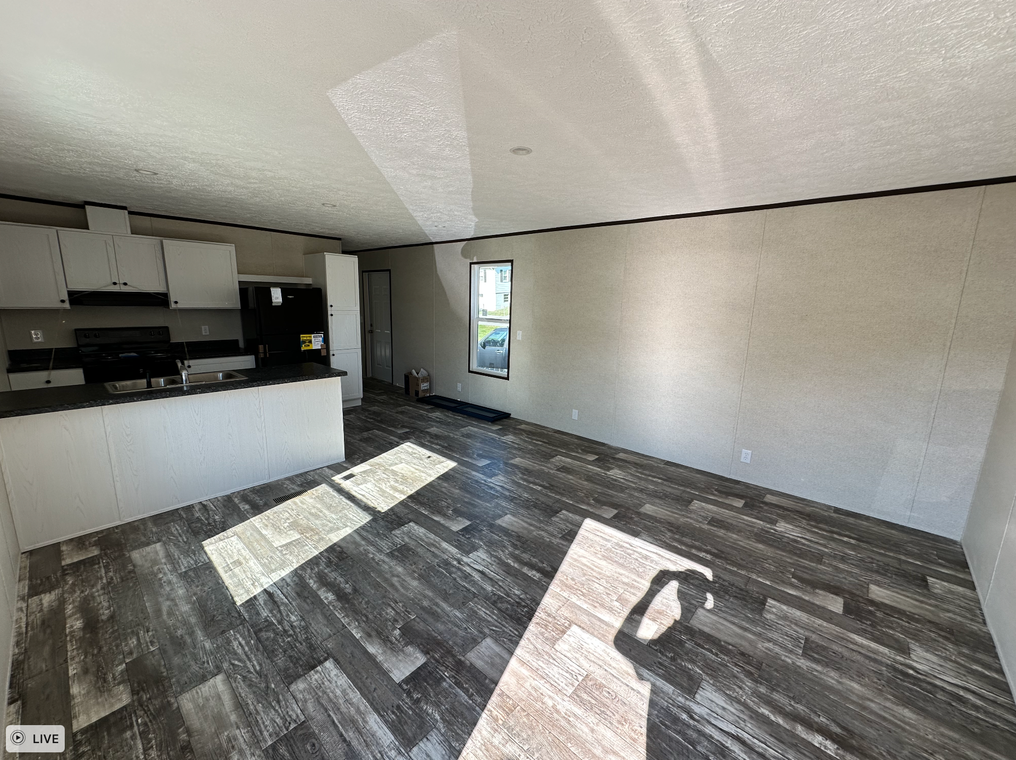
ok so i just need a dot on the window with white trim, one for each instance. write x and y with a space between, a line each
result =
490 317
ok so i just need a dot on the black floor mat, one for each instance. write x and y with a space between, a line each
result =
462 407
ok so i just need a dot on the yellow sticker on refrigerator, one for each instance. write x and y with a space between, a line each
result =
312 341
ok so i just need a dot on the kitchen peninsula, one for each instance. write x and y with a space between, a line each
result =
79 458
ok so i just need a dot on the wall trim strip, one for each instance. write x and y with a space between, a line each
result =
714 212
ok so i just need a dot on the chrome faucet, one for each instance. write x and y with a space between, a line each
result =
184 374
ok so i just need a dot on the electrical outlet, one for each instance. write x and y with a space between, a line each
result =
746 456
574 414
36 336
458 386
204 329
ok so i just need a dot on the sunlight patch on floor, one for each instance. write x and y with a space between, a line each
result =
254 554
566 687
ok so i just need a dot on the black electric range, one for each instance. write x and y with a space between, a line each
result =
124 353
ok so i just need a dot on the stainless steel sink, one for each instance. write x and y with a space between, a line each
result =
173 381
197 378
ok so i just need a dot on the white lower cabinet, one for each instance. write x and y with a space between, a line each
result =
352 384
221 363
23 381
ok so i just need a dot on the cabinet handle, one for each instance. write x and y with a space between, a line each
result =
48 382
176 302
115 282
123 283
63 300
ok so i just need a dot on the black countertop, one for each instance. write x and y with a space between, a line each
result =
66 398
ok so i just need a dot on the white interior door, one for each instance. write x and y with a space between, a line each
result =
379 331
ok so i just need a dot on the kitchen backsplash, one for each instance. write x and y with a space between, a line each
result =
58 325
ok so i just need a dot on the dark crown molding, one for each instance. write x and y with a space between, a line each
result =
715 212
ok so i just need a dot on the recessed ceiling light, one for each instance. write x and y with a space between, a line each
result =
147 172
521 150
328 205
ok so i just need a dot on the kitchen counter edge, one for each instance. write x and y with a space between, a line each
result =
71 397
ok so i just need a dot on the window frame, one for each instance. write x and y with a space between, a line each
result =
474 320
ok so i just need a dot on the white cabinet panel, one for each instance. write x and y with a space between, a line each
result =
221 363
345 330
56 466
22 381
89 260
297 439
171 452
352 384
140 264
31 272
343 291
201 275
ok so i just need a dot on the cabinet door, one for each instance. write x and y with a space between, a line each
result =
31 272
352 384
342 290
22 381
344 329
201 275
140 264
88 260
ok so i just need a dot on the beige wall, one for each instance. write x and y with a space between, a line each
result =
257 252
990 537
857 348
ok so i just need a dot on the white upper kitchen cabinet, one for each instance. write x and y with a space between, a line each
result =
31 272
89 260
341 276
140 263
201 275
95 261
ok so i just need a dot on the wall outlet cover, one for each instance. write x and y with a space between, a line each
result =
574 414
37 336
459 385
204 329
746 456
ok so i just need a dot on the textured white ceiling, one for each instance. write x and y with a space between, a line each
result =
402 113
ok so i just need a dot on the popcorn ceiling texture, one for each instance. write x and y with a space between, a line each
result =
632 109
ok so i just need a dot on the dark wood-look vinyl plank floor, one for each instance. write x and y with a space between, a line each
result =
464 589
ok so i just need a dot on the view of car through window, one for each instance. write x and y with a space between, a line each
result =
490 302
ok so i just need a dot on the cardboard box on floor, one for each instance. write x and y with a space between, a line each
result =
417 387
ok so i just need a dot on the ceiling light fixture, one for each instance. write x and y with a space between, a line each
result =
521 150
147 172
328 205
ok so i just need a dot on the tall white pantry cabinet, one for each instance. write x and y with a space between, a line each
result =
338 276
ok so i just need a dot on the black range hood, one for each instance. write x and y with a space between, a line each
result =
116 298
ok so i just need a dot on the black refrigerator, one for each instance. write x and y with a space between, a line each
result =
280 323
